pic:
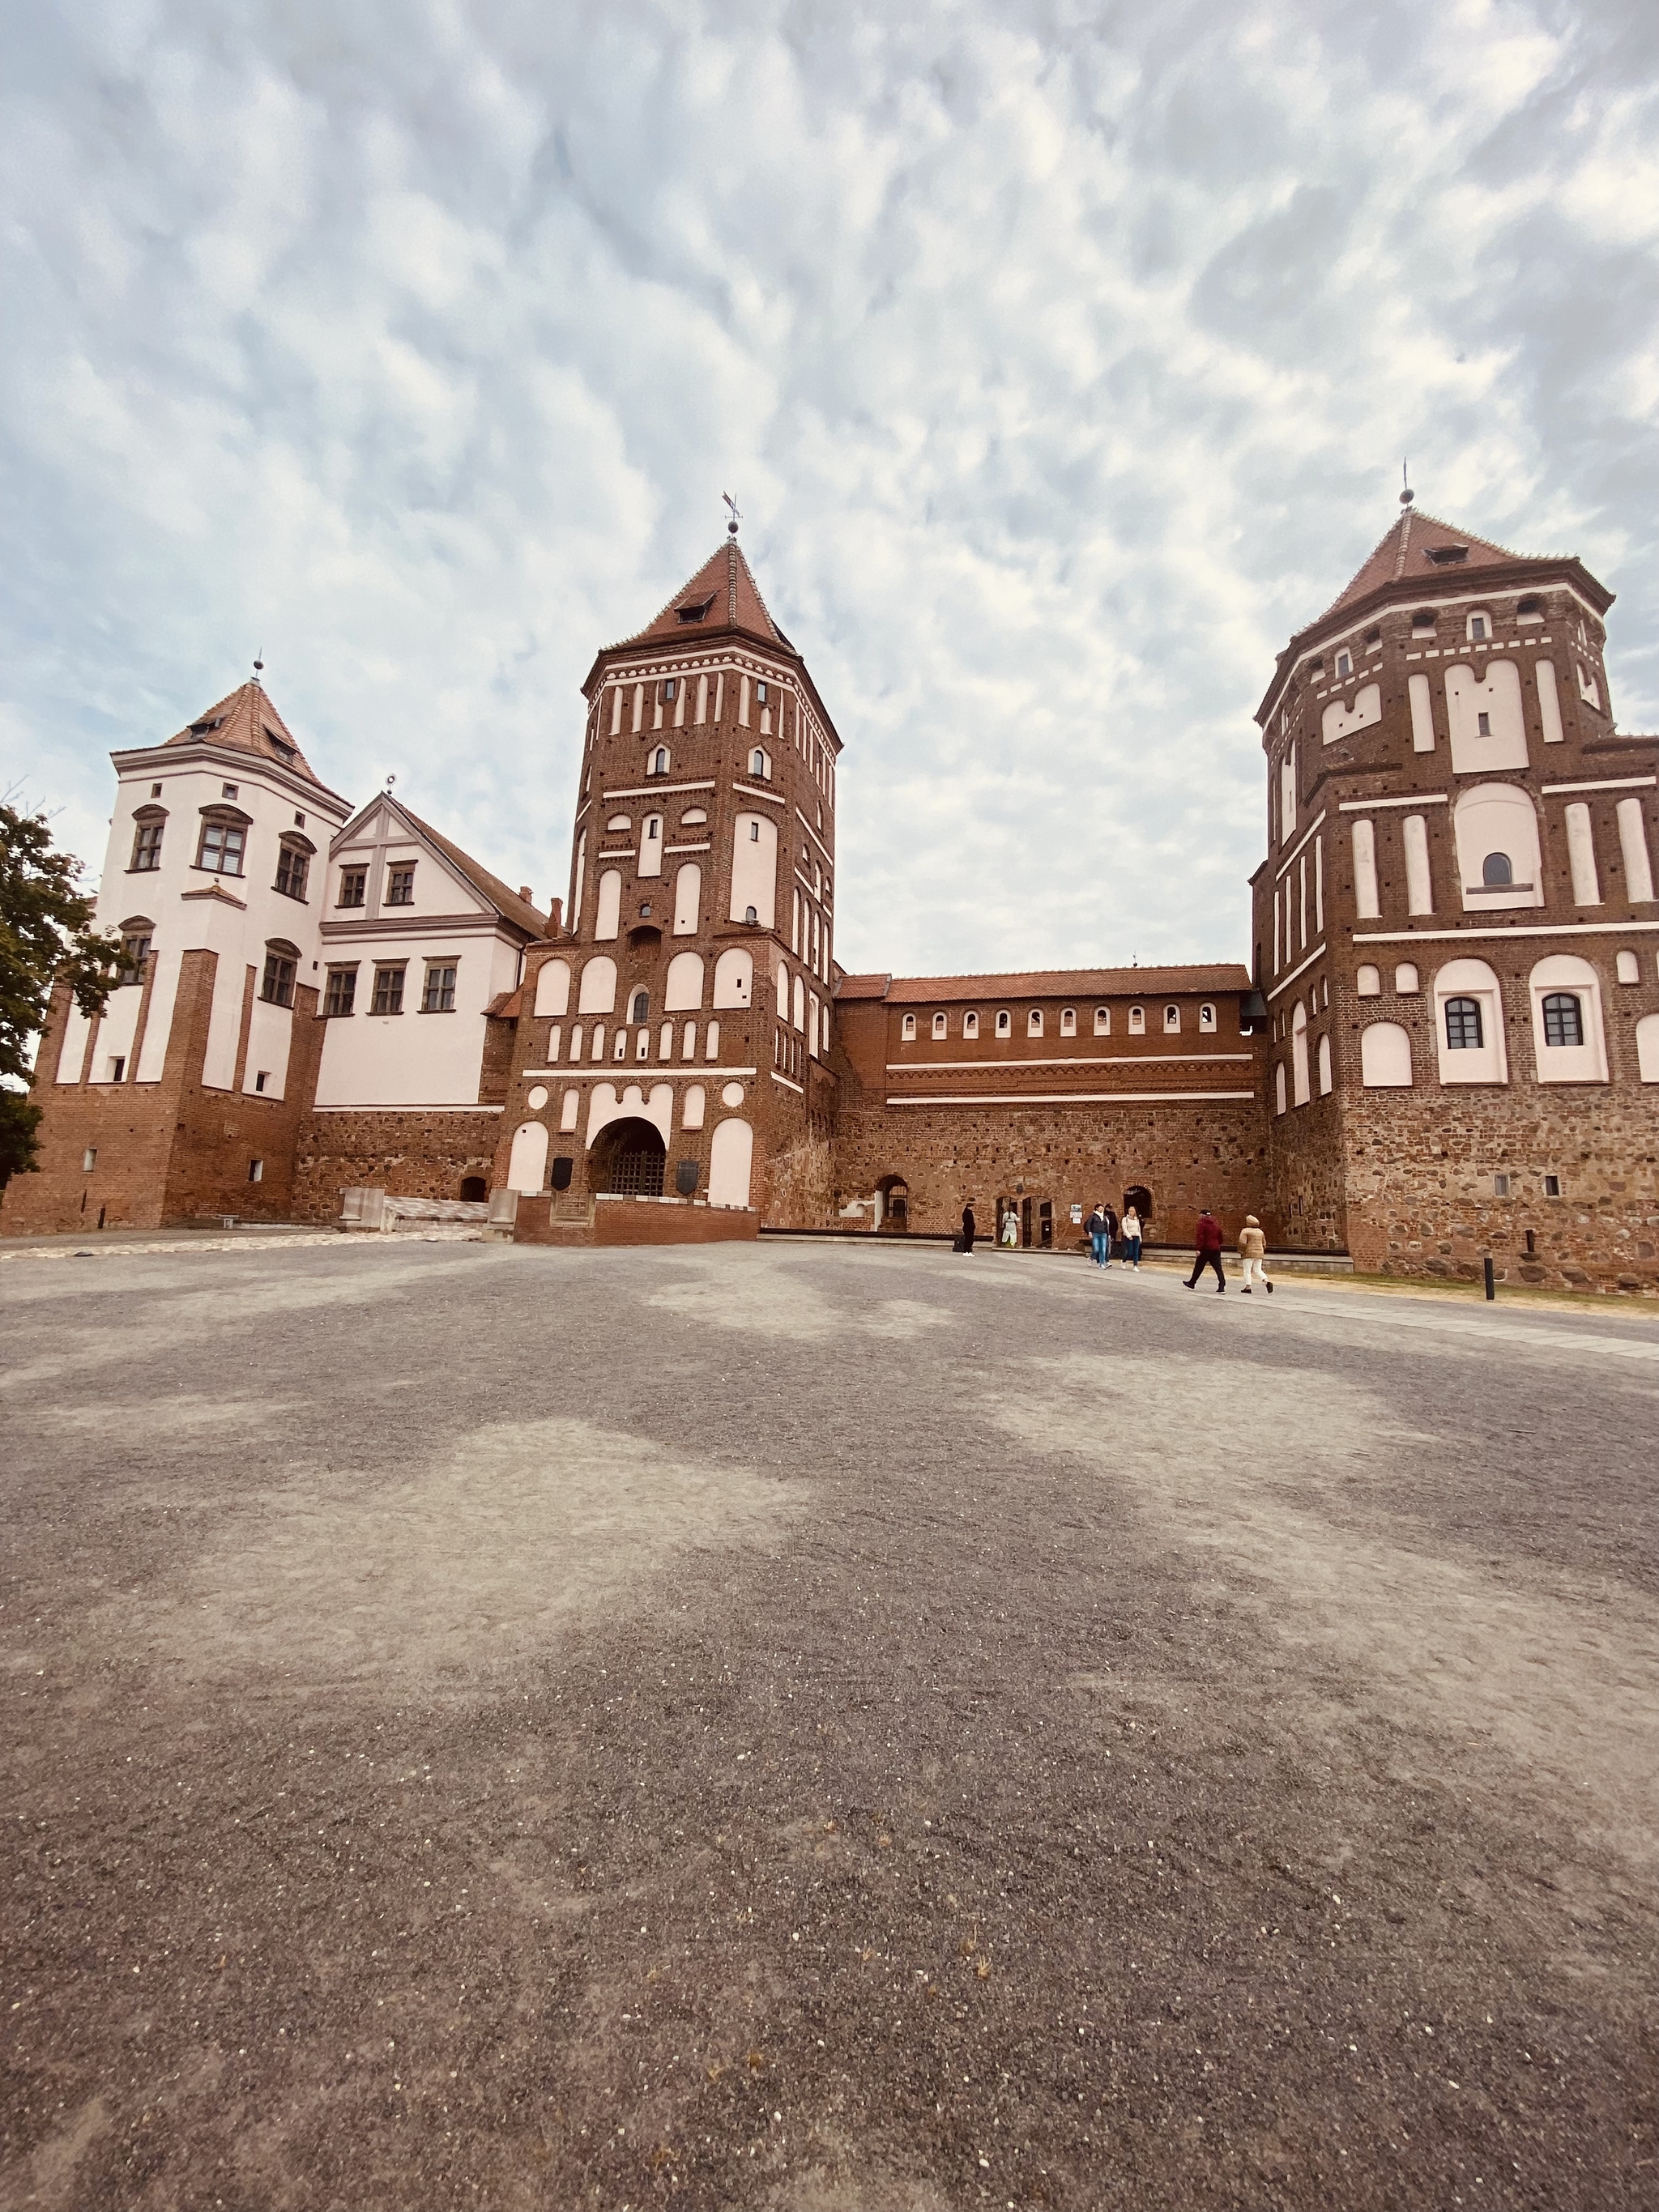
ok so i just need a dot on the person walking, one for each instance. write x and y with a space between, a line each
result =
1208 1237
1131 1229
1252 1251
968 1227
1010 1229
1095 1225
1111 1232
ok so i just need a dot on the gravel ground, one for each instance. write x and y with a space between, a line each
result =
829 1730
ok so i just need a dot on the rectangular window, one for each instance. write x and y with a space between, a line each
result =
222 848
276 985
1552 1186
147 845
262 1078
89 1160
354 886
439 996
400 886
256 1171
1500 1186
292 867
118 1067
135 950
388 991
341 997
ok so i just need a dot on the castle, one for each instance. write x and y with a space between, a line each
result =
1446 1044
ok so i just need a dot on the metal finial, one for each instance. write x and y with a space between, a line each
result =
732 526
1407 495
258 664
390 781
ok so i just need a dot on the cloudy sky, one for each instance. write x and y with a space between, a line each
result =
1062 357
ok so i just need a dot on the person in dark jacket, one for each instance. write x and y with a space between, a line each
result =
1111 1232
1097 1233
1207 1238
968 1227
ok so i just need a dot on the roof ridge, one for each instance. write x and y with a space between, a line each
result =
500 893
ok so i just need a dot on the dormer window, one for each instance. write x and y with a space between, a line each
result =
280 746
693 610
1448 556
1530 610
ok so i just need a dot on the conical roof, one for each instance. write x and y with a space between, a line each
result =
248 722
722 595
1417 547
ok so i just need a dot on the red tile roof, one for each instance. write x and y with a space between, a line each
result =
247 720
726 586
506 901
1046 983
1405 550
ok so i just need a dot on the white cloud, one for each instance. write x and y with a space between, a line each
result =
1061 361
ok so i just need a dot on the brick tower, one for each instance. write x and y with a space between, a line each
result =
1455 931
670 1079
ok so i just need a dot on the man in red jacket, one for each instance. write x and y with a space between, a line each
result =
1208 1240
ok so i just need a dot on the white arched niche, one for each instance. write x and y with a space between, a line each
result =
1488 1060
649 862
608 918
1324 1067
1488 729
605 1107
1279 1087
687 898
526 1169
783 992
599 986
734 977
1566 999
1495 823
1385 1057
553 987
1647 1048
754 868
682 991
730 1158
1301 1089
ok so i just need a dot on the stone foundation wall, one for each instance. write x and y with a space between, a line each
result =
1209 1153
402 1150
1423 1199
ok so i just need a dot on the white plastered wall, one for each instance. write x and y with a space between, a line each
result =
755 868
1497 818
1583 1063
414 1059
605 1107
1499 698
1633 846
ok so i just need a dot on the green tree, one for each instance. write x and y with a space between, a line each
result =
46 937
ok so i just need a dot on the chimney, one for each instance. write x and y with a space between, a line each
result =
553 906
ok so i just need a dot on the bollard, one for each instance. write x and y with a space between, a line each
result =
1491 1283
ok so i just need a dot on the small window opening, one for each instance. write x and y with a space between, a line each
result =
262 1078
1033 1022
118 1068
1463 1029
668 689
1344 663
1103 1021
908 1028
938 1025
256 1171
1136 1021
971 1026
1207 1017
754 833
156 791
1497 870
1448 556
760 693
695 610
227 790
750 914
1552 1186
1564 1019
660 761
1500 1186
1004 1023
89 1160
1172 1020
1478 629
1422 618
1532 1242
1483 724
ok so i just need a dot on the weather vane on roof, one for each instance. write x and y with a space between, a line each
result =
732 526
1407 495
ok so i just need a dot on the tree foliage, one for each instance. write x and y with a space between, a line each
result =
46 937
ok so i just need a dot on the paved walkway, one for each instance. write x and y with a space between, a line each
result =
794 1727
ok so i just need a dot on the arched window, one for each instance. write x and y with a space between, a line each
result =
940 1026
617 822
760 764
971 1026
1068 1021
1207 1017
1498 872
1004 1022
1033 1022
1564 1019
659 762
908 1029
1172 1020
1463 1028
1469 1024
640 1008
1136 1021
1103 1021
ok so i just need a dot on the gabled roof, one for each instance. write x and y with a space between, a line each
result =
248 722
491 888
726 592
1407 551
